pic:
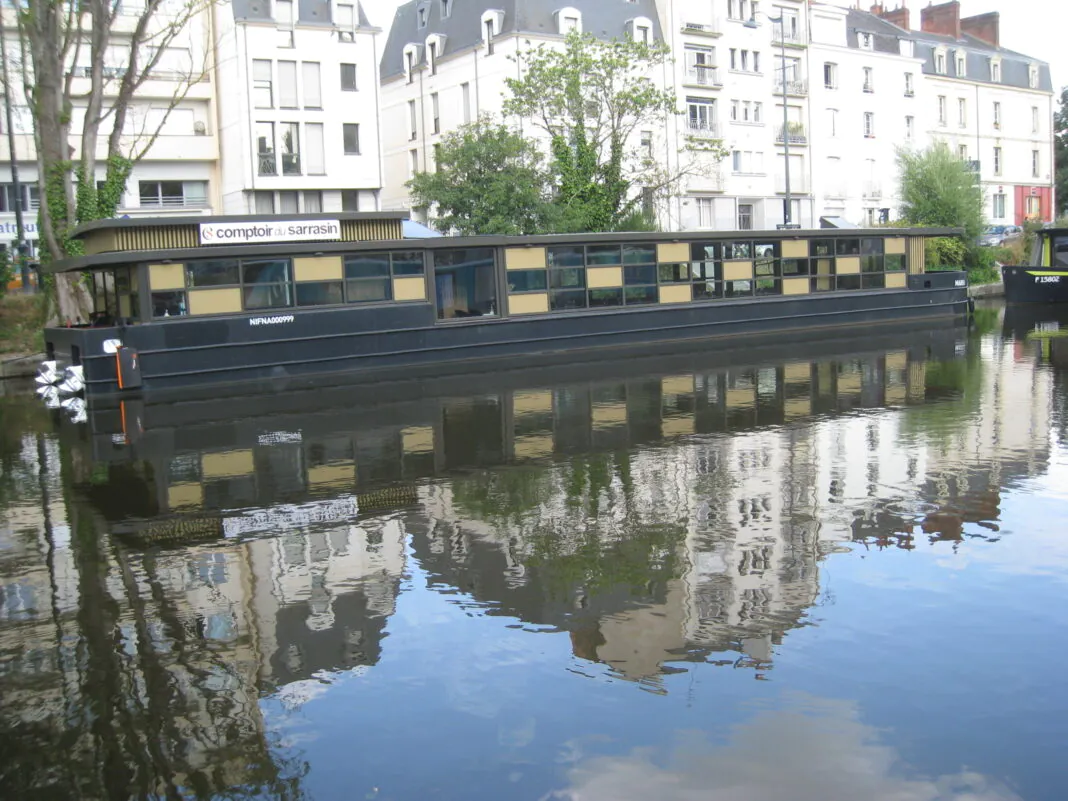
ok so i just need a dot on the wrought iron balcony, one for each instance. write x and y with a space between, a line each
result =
703 75
794 134
267 164
703 128
702 28
781 36
793 87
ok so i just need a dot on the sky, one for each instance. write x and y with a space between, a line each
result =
1034 27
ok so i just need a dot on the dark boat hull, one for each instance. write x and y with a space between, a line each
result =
1035 284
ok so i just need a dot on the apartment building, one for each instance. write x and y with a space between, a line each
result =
177 174
299 117
817 96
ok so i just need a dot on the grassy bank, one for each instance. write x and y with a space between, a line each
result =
21 320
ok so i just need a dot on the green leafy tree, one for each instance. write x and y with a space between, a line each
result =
590 98
488 180
67 61
1060 153
939 190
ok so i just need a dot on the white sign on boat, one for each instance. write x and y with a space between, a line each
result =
252 232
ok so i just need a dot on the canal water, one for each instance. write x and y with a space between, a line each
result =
835 569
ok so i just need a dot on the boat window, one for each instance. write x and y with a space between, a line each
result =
639 254
737 250
128 299
526 280
848 247
367 265
606 297
213 272
320 293
465 283
822 247
1060 251
791 267
567 257
674 273
599 255
407 262
267 284
169 304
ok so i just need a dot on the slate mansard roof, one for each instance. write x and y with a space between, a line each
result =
605 19
308 12
886 37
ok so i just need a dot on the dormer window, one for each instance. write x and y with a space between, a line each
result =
995 70
283 12
640 29
435 46
865 40
411 60
962 65
492 25
421 15
1032 76
940 63
446 8
568 20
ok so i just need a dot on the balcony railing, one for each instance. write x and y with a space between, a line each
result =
703 75
267 164
794 133
793 87
872 190
291 164
172 202
702 28
703 128
781 36
834 190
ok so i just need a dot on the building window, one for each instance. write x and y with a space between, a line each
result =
262 84
350 199
869 80
647 144
313 201
910 128
421 16
432 56
961 66
910 90
446 8
830 75
413 162
962 152
998 208
962 112
747 162
1036 162
701 114
705 212
348 78
413 127
869 125
435 112
488 36
315 155
289 202
1032 206
865 40
832 122
1034 119
1032 77
997 161
310 73
941 109
346 17
437 157
350 135
465 91
173 194
997 114
745 216
940 63
290 139
757 107
700 65
283 12
995 71
287 84
734 59
263 202
266 160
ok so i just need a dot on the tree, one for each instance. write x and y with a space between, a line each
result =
488 180
938 189
1060 154
94 55
590 98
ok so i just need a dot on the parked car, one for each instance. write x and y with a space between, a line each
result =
997 235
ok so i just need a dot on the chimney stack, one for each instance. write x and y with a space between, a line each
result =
943 19
986 27
899 16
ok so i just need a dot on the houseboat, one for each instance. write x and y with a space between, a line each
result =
1045 279
214 302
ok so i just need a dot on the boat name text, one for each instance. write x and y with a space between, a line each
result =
282 318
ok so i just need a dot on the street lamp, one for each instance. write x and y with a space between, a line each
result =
788 201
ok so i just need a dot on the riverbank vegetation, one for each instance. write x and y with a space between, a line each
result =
22 318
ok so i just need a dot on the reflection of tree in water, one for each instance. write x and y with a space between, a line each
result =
120 696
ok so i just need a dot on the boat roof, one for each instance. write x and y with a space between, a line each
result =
116 257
